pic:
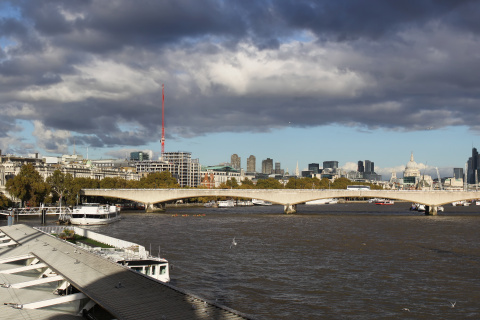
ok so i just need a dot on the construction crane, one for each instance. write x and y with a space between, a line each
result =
162 141
439 179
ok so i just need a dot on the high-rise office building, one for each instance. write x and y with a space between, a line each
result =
235 161
251 164
369 166
314 167
267 166
330 164
473 172
278 169
458 173
361 168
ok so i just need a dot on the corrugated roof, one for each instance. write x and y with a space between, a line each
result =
124 293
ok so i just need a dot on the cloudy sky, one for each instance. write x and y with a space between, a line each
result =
293 80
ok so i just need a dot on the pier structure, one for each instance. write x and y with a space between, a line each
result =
44 277
289 198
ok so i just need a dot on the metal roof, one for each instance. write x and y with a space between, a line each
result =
124 293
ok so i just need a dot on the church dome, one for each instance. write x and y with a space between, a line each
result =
411 164
411 169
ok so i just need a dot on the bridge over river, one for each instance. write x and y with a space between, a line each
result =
289 198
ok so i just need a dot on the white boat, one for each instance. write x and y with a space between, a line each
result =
226 203
126 253
322 201
94 213
245 203
384 202
258 202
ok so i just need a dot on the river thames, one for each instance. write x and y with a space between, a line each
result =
343 261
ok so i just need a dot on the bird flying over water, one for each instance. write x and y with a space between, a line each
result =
453 304
234 243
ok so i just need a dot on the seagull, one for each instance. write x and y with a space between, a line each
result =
234 243
406 309
453 304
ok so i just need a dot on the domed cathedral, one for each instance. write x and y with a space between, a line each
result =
412 179
411 169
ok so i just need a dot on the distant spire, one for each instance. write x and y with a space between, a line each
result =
297 172
411 157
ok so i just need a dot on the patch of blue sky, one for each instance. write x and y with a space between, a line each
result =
304 36
447 147
9 11
6 42
27 131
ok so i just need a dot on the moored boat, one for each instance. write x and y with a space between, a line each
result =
226 203
258 202
94 213
322 201
126 253
384 202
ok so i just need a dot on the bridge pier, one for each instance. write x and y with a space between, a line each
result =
290 208
431 210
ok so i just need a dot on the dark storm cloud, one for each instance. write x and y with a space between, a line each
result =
100 26
95 68
350 19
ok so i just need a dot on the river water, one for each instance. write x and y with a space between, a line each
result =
343 261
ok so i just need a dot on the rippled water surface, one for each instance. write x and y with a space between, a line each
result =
344 261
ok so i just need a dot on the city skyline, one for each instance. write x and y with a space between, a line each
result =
304 82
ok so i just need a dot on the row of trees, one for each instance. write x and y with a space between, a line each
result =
294 183
29 186
32 190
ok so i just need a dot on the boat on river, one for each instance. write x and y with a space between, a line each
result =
322 201
258 202
384 202
126 253
94 214
226 203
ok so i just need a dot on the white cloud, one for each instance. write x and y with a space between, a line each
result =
51 140
294 69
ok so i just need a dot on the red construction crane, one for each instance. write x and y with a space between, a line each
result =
162 141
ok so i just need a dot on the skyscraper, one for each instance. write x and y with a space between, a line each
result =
267 166
251 165
368 166
473 167
361 168
235 161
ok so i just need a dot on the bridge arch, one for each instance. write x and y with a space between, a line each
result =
289 198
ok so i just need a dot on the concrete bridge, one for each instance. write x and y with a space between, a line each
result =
289 198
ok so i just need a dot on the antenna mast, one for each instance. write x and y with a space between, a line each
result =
162 141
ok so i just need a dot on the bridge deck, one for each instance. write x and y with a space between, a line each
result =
124 293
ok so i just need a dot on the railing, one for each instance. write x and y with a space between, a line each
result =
135 250
36 211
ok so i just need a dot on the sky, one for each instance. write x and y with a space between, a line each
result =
298 81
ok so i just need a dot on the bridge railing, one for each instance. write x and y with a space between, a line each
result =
33 211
